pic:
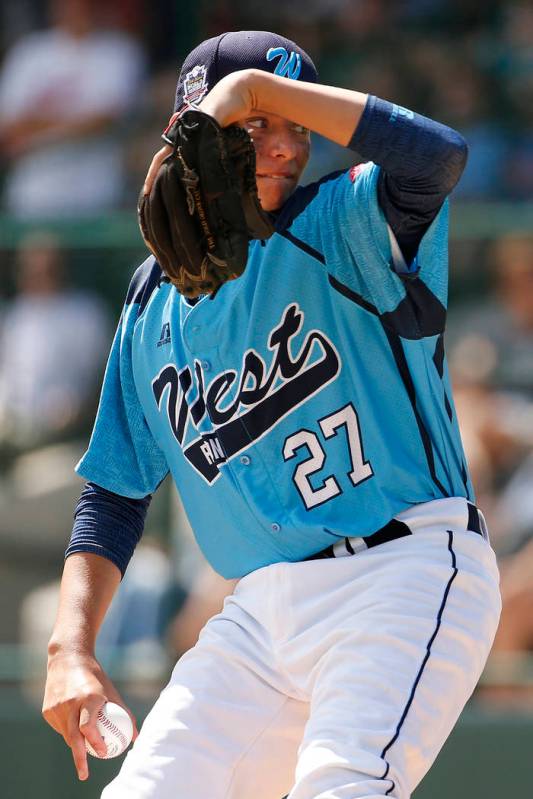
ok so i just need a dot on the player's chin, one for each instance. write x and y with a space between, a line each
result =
273 193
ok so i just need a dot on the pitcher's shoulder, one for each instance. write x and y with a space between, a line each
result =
305 198
146 279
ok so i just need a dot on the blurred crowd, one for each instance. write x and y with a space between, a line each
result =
86 87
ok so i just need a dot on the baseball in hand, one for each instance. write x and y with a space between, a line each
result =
115 727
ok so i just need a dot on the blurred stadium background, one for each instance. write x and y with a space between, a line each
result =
85 88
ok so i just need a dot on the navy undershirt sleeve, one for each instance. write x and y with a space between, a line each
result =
421 162
108 524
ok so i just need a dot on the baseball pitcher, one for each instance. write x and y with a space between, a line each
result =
281 354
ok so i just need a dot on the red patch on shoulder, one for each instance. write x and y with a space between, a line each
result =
355 171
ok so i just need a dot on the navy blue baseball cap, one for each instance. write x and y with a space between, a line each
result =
215 58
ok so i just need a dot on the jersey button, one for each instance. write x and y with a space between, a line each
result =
245 460
275 527
206 366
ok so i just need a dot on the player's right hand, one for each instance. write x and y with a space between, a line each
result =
76 688
155 166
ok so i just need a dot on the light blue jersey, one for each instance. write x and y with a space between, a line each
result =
309 400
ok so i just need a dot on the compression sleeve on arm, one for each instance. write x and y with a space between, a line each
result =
107 524
421 162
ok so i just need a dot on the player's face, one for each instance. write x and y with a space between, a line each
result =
282 151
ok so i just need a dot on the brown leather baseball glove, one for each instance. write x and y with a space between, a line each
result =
203 207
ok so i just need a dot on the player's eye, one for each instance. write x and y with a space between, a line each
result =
256 123
300 129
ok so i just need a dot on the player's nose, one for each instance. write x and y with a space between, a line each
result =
283 144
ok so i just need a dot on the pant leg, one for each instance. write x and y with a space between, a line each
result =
220 729
397 652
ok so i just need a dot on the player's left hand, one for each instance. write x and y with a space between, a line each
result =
232 99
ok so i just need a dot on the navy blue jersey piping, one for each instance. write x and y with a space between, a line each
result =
398 353
393 337
146 279
423 664
302 245
298 202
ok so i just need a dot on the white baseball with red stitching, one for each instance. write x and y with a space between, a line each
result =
115 727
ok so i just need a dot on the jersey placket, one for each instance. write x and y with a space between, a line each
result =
250 477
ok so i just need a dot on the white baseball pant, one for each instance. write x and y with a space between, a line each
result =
327 679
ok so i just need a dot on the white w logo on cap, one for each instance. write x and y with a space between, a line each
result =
289 66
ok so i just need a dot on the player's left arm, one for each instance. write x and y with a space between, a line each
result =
421 160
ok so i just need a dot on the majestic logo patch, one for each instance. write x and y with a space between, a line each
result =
400 111
195 85
243 406
288 66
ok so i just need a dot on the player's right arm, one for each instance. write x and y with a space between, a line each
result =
123 466
106 529
76 686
